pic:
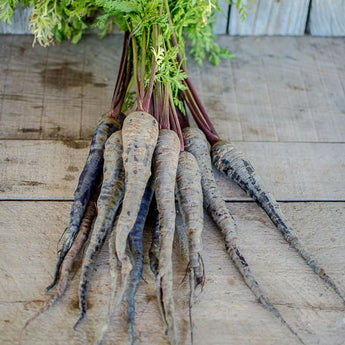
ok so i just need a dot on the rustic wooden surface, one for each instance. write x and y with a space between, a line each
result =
270 17
25 173
19 23
281 97
327 18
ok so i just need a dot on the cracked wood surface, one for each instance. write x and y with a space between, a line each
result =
283 103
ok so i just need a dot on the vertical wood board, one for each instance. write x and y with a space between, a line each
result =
327 18
19 25
221 24
270 17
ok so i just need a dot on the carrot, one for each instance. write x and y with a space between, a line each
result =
68 262
108 202
165 167
181 234
233 164
196 143
139 136
154 248
189 192
88 180
135 239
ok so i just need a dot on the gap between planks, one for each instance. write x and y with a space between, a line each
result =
232 141
237 200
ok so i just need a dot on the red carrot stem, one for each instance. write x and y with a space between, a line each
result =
136 75
149 90
199 103
211 137
182 118
202 113
174 121
164 118
118 96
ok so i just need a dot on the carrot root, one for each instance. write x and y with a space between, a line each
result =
135 239
190 197
139 136
196 143
88 181
233 164
108 202
66 267
165 167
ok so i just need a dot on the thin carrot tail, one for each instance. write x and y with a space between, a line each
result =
249 279
135 239
48 304
123 289
166 304
77 245
195 142
233 164
190 304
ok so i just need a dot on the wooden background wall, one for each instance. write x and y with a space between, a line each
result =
265 17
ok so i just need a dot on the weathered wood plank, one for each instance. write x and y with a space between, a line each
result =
327 18
226 311
221 25
56 92
50 169
19 23
270 17
277 89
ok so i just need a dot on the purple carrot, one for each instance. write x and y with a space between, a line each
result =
135 239
108 203
88 181
233 164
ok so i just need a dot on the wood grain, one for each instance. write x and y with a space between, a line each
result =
221 25
226 312
276 89
19 23
282 103
270 17
327 18
50 169
56 92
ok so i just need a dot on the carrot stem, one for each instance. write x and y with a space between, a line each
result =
122 77
136 75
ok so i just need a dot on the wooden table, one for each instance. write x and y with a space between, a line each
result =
281 101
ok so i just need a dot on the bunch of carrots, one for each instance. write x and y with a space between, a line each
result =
144 156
